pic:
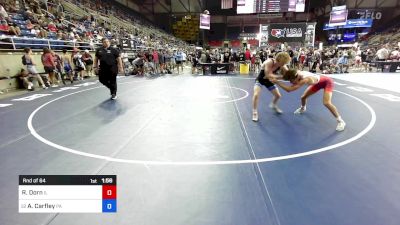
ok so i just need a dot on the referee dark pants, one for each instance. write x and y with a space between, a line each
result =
108 77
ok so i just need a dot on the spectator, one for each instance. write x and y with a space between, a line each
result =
382 54
343 62
29 25
156 60
247 55
49 66
67 65
3 12
31 68
358 61
59 66
51 27
184 57
26 79
395 54
11 30
60 35
161 57
88 60
179 60
78 63
35 31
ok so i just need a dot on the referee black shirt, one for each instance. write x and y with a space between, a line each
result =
108 58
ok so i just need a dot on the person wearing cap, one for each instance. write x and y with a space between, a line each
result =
107 64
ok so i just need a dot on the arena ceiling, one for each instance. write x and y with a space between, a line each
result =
170 6
160 11
214 6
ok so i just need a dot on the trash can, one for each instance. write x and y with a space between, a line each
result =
244 68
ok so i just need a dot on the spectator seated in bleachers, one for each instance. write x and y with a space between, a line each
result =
9 29
3 12
395 54
35 22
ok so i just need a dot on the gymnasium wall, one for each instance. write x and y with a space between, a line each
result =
11 64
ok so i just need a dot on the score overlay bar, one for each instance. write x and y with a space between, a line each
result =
67 194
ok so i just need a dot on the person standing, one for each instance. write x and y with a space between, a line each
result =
156 61
67 66
110 64
87 59
49 65
179 60
269 69
79 66
27 60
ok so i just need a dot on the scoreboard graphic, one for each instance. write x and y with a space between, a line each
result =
67 194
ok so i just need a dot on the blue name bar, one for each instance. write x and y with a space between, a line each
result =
352 23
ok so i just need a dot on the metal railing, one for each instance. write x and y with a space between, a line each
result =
15 43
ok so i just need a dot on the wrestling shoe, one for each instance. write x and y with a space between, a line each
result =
341 125
300 110
255 116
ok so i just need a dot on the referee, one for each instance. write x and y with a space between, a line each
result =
110 65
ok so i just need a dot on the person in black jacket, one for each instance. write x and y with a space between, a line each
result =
110 65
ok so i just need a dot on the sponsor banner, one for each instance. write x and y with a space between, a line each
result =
204 21
289 32
310 34
263 36
373 14
220 69
358 23
351 23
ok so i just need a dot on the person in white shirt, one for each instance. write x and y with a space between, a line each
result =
184 57
3 12
382 54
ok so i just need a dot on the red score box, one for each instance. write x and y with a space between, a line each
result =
109 192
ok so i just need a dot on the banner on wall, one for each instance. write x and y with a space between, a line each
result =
236 43
351 23
263 37
373 14
204 21
253 42
215 43
309 38
287 32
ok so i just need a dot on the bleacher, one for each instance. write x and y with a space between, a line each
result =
389 33
74 10
119 23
